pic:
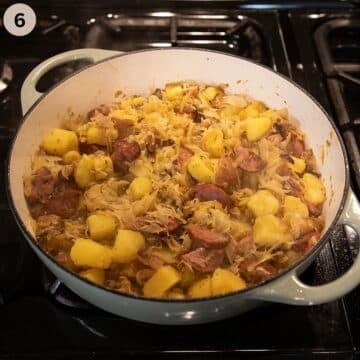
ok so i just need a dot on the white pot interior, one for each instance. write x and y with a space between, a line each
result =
142 72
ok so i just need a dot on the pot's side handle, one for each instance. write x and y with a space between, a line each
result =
29 94
290 290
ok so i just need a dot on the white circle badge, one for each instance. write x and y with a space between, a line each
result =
19 19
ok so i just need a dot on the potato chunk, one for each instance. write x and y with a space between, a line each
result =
257 127
127 244
121 114
95 275
83 172
263 202
91 168
298 165
60 141
103 166
163 280
270 231
210 92
140 187
176 294
87 252
224 281
293 204
99 135
200 288
173 91
71 156
252 110
213 142
101 227
314 189
199 170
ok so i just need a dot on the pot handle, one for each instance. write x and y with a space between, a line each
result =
291 290
29 94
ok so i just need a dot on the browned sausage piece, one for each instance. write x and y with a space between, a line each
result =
247 160
193 113
204 260
226 174
124 127
264 271
306 242
43 183
207 238
86 148
294 186
150 260
184 156
124 151
275 139
297 145
239 247
208 192
314 210
64 203
128 150
102 109
172 225
256 272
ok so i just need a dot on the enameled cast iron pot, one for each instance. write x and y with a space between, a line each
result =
138 72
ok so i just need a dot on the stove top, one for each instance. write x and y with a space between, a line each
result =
319 49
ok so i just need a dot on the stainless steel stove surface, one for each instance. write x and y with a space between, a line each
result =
318 48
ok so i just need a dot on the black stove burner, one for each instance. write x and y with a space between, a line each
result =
41 318
240 36
338 44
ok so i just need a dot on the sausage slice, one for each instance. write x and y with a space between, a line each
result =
207 238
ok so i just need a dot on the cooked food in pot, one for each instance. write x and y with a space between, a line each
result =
188 192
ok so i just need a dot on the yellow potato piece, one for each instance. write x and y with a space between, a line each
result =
127 244
298 165
176 294
83 174
101 227
210 92
141 168
91 168
213 142
257 127
263 202
224 281
270 231
293 204
173 91
99 135
200 288
87 252
59 142
314 189
140 187
103 166
95 275
252 110
71 157
163 280
121 114
199 170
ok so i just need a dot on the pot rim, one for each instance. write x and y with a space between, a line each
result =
171 302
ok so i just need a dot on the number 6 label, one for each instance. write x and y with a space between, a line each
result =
19 19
